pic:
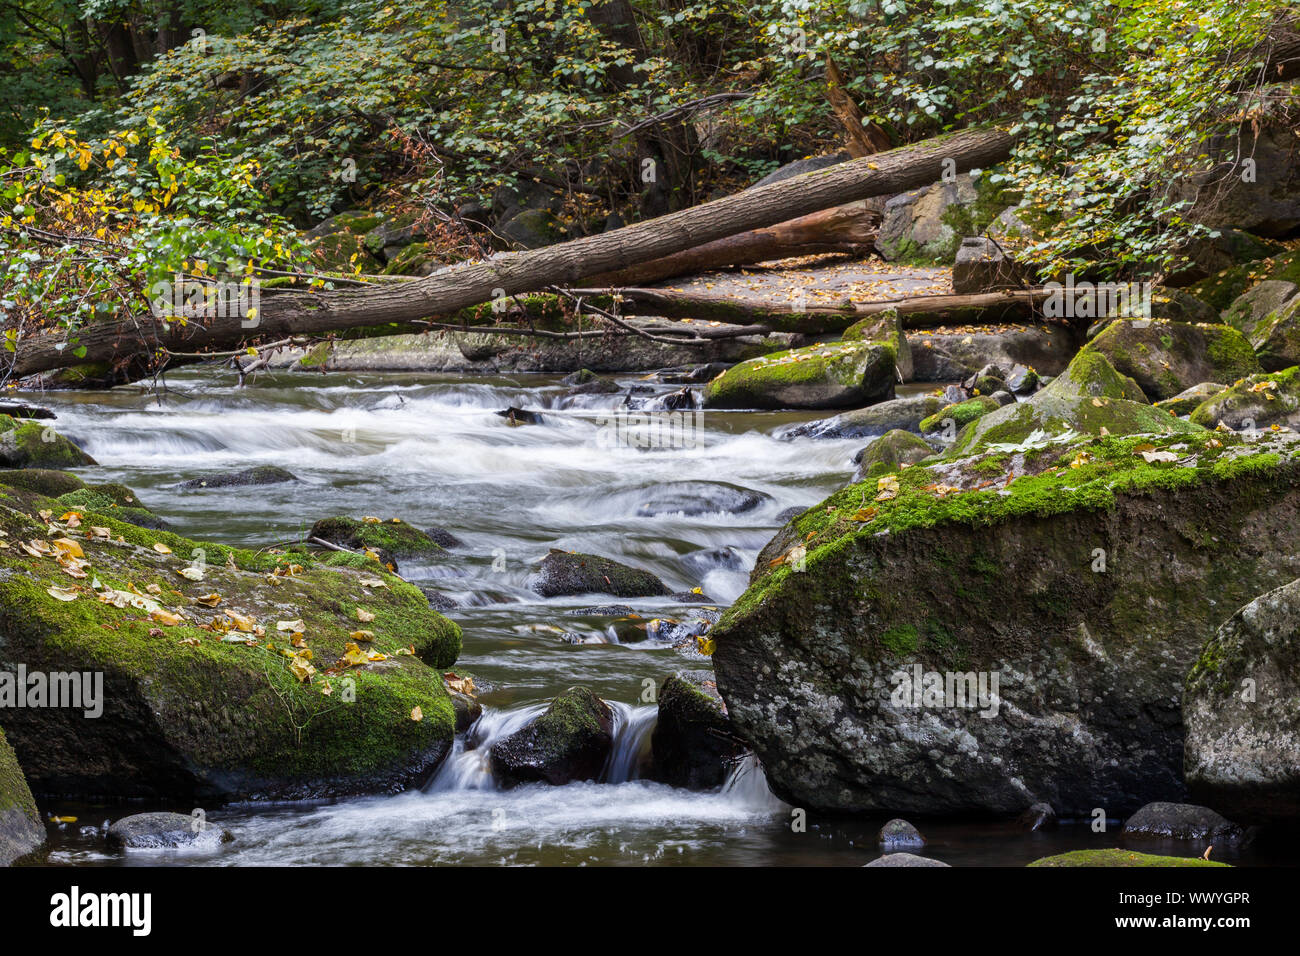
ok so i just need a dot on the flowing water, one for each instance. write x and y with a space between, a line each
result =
432 451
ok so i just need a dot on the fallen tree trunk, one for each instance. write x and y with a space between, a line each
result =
135 348
849 229
915 312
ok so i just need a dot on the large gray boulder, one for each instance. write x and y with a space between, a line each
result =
570 741
914 228
165 831
1242 709
1055 597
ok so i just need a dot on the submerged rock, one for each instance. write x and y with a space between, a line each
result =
165 831
1165 357
28 444
195 704
570 741
1242 708
701 562
21 831
1181 821
520 416
693 743
1077 584
699 498
261 475
570 572
897 834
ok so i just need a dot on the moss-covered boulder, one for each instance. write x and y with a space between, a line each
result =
1242 708
1165 357
339 242
958 415
1089 398
1254 305
570 741
1117 857
861 662
383 541
1259 401
1276 338
1186 401
693 743
834 375
570 572
226 673
890 452
21 831
29 444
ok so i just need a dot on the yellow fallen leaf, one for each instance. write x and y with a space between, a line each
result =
706 645
62 594
887 488
417 714
162 548
362 637
68 546
245 624
354 656
297 625
209 600
364 616
163 616
191 573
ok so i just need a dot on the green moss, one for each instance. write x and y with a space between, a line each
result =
1106 468
901 640
14 792
1219 291
961 413
395 537
43 480
1117 857
29 444
287 730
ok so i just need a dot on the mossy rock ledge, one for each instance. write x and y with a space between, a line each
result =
200 698
1085 576
1117 857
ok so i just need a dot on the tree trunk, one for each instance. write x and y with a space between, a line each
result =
849 229
137 346
916 312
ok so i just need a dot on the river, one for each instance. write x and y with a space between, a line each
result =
432 451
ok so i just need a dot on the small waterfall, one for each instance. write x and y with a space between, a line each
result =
632 727
466 767
747 786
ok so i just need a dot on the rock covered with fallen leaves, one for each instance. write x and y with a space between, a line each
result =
982 633
1259 401
1243 712
225 673
21 831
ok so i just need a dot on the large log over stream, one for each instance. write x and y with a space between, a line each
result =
137 347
